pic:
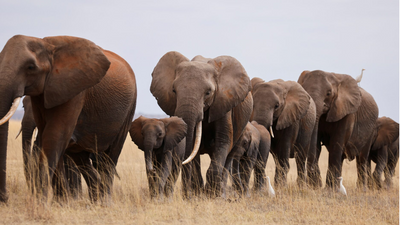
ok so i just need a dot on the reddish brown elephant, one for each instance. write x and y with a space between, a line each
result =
83 100
384 152
213 97
346 117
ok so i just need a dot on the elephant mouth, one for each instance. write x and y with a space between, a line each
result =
197 143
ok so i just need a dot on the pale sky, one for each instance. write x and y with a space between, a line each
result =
272 39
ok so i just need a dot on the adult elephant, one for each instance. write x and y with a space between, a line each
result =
162 141
213 97
30 154
250 152
384 152
83 101
346 117
289 111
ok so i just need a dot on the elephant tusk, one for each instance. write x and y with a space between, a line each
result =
197 142
19 132
10 113
271 132
35 133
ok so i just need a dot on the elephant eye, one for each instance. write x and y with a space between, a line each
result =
329 93
277 105
173 90
159 134
31 67
208 92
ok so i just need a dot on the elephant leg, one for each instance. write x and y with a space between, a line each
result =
60 184
89 173
334 168
390 169
225 175
236 176
259 170
214 172
55 132
73 177
106 168
301 158
313 172
381 163
282 166
176 164
245 167
197 182
165 171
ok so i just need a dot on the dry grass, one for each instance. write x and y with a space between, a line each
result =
131 203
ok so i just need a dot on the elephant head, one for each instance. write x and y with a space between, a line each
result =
56 68
157 134
249 142
335 95
387 132
278 102
197 90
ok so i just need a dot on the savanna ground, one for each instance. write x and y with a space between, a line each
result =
131 203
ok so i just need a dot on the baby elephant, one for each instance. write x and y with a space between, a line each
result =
384 152
250 152
163 143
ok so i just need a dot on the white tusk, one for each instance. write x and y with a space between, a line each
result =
35 133
10 113
19 132
271 132
197 142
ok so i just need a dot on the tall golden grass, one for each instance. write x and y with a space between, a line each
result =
131 203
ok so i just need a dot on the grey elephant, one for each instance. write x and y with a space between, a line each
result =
384 152
83 100
346 117
213 97
250 152
163 143
289 111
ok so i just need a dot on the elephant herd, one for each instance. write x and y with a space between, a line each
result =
82 99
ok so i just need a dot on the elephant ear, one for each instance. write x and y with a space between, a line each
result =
163 78
296 105
302 77
175 131
136 132
233 86
255 81
388 132
347 100
78 64
199 58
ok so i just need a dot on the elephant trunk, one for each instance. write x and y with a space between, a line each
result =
193 118
4 110
148 156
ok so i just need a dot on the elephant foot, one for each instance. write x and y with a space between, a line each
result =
3 198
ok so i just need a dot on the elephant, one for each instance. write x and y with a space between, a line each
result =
345 124
250 152
290 113
213 97
83 100
30 156
384 152
163 143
